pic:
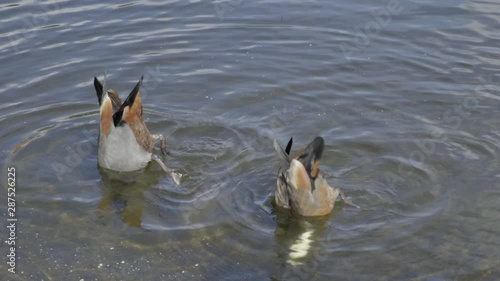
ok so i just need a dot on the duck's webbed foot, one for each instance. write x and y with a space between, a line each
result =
163 143
347 200
175 176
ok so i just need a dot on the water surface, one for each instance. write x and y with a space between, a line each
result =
406 95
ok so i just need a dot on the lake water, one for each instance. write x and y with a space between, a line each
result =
405 93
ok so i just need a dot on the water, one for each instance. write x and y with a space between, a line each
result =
406 95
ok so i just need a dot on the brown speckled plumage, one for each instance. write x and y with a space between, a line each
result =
142 134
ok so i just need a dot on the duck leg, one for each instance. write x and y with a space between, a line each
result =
175 176
163 143
347 200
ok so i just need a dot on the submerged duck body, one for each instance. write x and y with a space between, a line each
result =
300 186
125 143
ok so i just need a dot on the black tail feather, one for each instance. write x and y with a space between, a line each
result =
117 117
289 146
98 88
312 153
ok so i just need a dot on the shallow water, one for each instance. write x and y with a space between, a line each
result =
406 95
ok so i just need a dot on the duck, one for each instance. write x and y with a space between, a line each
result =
124 142
301 186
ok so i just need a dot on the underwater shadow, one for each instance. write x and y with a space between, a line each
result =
123 194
